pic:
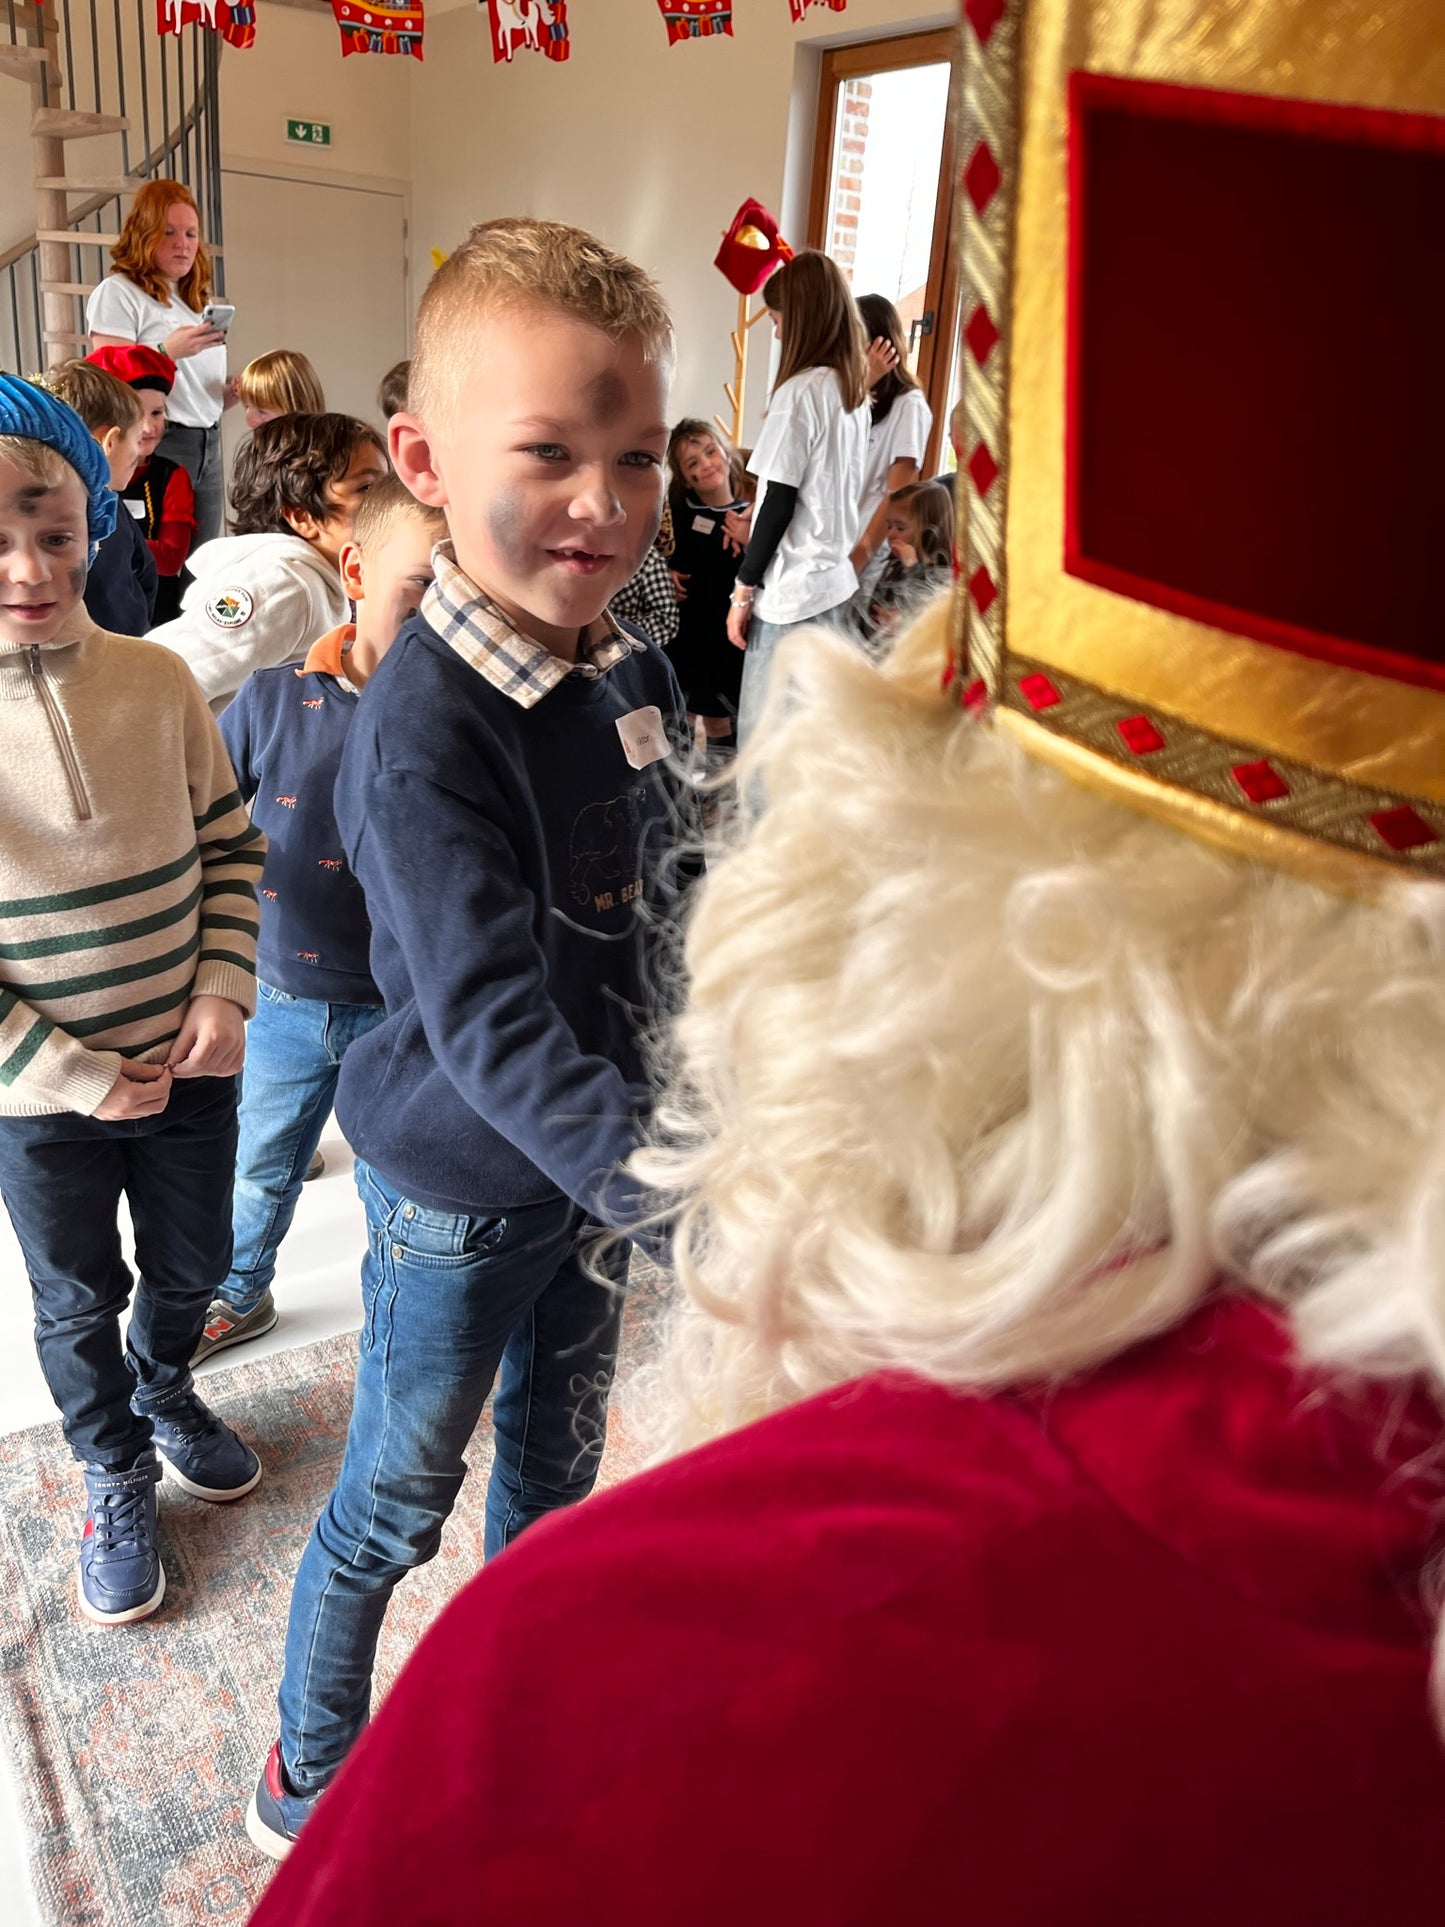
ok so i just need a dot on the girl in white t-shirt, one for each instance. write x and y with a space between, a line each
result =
809 463
898 436
154 295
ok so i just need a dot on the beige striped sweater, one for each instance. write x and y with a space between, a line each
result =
128 864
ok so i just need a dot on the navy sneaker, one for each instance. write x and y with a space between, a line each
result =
121 1577
276 1815
203 1454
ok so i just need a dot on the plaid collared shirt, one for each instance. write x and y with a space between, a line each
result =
475 627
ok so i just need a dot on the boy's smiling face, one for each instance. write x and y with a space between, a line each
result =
44 548
549 467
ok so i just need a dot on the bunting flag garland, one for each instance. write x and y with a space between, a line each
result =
538 25
378 27
236 24
799 7
695 19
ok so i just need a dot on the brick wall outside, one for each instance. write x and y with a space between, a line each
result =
851 151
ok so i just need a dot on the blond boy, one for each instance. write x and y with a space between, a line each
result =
505 800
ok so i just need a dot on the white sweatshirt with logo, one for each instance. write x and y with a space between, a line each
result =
257 600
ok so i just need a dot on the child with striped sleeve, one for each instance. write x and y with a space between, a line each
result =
128 919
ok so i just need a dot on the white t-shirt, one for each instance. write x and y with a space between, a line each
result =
118 307
811 442
901 436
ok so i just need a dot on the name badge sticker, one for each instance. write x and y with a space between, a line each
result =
644 740
704 525
137 509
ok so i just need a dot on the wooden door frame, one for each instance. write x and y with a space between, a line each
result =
929 49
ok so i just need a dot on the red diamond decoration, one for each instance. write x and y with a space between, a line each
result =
981 587
1140 735
975 697
981 177
980 334
1038 692
984 16
1261 782
1403 828
983 468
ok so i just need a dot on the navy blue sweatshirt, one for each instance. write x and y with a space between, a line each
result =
510 858
285 732
120 590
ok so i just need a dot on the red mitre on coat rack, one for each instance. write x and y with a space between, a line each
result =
752 248
752 251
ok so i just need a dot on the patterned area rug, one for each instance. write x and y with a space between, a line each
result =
135 1748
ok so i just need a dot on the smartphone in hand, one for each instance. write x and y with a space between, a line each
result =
218 314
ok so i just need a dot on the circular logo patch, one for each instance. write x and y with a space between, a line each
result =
231 609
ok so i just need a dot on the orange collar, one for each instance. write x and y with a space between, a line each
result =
324 655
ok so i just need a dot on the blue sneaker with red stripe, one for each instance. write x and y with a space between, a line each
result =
276 1815
121 1577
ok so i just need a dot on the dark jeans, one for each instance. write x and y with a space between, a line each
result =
62 1179
448 1299
198 450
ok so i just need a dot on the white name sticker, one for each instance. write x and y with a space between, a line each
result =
137 509
644 740
704 525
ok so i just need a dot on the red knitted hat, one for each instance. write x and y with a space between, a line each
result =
139 367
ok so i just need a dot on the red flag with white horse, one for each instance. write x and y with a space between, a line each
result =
536 26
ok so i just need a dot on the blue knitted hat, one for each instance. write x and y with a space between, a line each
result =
39 416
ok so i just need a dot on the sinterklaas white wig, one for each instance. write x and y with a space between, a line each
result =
986 1077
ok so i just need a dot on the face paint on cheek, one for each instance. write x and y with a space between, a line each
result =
506 521
76 579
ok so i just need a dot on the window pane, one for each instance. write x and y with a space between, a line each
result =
883 186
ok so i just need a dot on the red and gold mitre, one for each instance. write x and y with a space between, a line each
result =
1204 350
752 249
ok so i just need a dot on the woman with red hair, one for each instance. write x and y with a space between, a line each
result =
154 296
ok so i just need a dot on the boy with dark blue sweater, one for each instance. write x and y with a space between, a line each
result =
506 802
285 732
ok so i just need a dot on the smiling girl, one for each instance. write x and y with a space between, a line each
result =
707 495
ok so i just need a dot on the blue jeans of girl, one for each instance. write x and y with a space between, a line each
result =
294 1048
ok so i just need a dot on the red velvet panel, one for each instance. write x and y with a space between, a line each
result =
1257 367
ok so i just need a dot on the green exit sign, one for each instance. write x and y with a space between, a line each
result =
309 133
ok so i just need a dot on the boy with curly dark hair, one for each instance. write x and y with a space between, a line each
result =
265 593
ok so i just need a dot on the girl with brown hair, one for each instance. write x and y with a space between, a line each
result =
898 435
156 296
809 463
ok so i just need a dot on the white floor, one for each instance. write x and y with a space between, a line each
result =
317 1293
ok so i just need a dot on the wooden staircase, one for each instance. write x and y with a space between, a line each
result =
84 67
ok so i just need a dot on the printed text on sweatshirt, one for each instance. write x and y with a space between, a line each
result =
128 865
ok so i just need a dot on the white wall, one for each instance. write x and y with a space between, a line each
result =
652 147
295 71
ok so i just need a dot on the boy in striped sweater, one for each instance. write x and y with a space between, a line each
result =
128 922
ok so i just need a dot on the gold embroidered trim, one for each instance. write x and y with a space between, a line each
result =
1290 795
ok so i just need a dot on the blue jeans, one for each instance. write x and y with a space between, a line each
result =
294 1048
763 640
62 1179
448 1299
